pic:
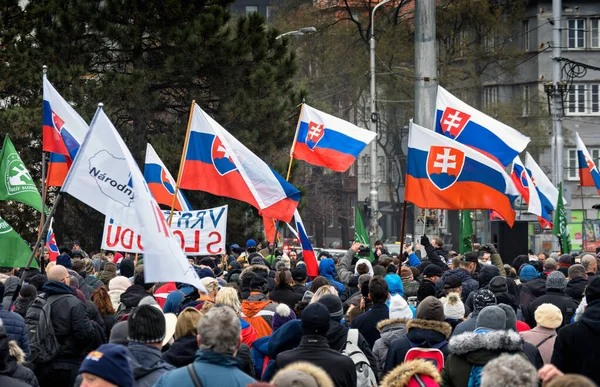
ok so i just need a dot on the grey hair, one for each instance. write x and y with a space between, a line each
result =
509 370
219 330
576 271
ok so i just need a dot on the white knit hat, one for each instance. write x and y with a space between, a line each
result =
548 316
399 307
453 306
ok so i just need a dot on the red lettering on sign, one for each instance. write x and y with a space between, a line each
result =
114 243
209 245
196 248
127 238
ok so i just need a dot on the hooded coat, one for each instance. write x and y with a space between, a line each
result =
555 297
468 284
147 364
337 337
15 368
531 290
418 370
421 333
575 288
258 311
390 330
327 270
477 349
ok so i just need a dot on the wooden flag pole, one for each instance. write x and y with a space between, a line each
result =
583 238
289 171
402 231
44 187
185 145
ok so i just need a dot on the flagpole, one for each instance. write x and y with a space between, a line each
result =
289 171
44 188
44 230
583 240
402 230
185 145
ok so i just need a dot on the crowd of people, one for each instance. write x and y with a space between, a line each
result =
429 317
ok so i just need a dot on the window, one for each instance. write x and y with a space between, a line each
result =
577 99
594 95
576 33
381 168
584 99
573 173
251 8
352 169
490 97
366 165
595 33
526 104
525 32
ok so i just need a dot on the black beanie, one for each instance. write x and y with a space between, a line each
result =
146 324
315 319
592 291
259 284
334 306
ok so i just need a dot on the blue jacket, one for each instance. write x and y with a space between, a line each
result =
327 270
259 352
413 260
15 328
147 364
287 337
212 368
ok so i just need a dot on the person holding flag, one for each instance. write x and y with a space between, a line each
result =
51 246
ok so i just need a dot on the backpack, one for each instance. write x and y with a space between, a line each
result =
365 377
433 354
121 311
43 343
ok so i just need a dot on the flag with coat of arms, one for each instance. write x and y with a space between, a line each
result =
161 183
16 183
51 246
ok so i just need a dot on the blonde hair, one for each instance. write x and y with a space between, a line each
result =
187 323
323 290
50 265
228 296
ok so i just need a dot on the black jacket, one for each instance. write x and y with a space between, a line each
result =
15 368
181 352
555 297
74 330
337 336
93 282
422 333
367 322
576 346
575 288
426 289
315 350
300 289
435 256
531 290
285 295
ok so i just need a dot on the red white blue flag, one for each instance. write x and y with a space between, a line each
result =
588 172
461 122
328 141
51 243
161 183
308 254
445 174
546 191
521 177
216 162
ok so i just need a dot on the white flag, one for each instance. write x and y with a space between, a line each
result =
106 177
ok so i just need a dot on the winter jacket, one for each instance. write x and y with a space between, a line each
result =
15 328
466 326
555 297
15 368
575 288
285 295
426 288
367 322
10 286
411 287
531 290
163 292
182 352
258 311
576 346
130 299
315 350
433 254
390 330
343 271
477 349
300 289
538 334
248 333
327 270
72 326
468 284
147 364
212 368
337 338
287 337
419 333
245 362
93 282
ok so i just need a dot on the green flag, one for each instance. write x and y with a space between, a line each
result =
560 227
466 232
16 183
360 233
14 251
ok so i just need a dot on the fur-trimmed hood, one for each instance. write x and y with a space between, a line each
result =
391 324
493 341
16 352
402 375
256 269
292 375
438 326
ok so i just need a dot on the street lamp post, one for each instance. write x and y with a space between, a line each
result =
301 32
374 226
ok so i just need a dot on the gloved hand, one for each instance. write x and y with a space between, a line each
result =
489 248
425 241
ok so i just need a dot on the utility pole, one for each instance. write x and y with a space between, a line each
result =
374 219
556 83
425 70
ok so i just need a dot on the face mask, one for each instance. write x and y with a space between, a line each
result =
485 263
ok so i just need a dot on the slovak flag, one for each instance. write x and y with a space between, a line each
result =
51 243
328 141
459 121
547 192
63 133
161 183
527 188
588 172
216 162
445 174
308 254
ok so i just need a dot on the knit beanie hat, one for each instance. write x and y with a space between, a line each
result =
64 260
283 314
109 362
146 325
548 316
119 283
511 317
483 298
315 319
592 291
334 306
118 333
556 280
259 284
453 306
399 307
89 265
498 285
528 273
406 274
491 317
431 309
299 274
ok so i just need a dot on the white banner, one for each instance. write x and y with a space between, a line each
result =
199 232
